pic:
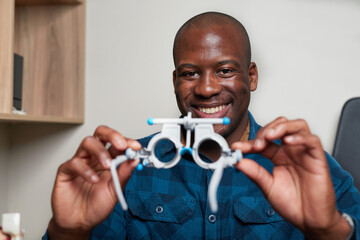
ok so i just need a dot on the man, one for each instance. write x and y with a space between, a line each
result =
284 188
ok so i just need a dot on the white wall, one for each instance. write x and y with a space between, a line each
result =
308 55
4 158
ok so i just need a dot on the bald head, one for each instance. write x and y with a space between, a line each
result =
214 19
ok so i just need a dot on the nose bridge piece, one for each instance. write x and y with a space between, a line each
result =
208 85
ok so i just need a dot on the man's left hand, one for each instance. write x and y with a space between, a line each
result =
300 188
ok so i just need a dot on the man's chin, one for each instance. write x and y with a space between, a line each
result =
222 130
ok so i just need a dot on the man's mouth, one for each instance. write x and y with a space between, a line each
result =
211 110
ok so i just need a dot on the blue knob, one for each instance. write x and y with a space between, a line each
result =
185 150
150 121
226 120
139 167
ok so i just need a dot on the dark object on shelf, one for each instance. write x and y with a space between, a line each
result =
347 142
18 72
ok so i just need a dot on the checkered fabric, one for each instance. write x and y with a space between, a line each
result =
173 204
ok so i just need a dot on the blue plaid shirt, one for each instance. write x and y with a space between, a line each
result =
172 203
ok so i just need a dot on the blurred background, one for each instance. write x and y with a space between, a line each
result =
307 53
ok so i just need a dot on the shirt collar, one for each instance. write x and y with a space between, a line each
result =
254 127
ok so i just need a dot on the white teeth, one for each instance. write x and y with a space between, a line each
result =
212 110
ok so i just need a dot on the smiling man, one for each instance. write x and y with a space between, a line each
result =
286 187
214 73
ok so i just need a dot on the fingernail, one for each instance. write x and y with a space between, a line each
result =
94 178
290 138
236 145
271 132
121 143
258 143
136 145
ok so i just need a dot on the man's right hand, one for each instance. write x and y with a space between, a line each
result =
84 193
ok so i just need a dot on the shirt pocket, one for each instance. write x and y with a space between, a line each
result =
256 219
159 216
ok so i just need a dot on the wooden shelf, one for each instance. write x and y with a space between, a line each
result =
47 2
51 39
28 118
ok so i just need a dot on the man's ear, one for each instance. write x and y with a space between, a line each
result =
253 76
174 78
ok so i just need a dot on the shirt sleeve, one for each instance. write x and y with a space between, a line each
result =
114 227
347 196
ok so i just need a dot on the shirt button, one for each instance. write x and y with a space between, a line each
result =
270 212
212 218
159 209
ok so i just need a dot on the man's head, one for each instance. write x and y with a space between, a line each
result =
209 19
213 73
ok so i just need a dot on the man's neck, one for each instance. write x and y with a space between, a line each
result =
241 133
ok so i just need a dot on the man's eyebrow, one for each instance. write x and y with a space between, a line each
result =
233 62
186 65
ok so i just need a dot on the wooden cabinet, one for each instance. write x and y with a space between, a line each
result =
50 35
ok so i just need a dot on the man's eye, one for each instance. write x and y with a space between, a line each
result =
225 71
188 74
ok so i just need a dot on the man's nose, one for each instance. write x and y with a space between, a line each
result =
208 86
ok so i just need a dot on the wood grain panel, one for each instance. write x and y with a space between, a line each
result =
6 54
51 40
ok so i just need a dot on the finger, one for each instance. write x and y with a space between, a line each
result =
245 147
250 147
133 144
260 139
92 147
279 130
78 167
287 128
262 132
311 142
256 173
106 134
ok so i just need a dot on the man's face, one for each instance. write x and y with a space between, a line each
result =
212 78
